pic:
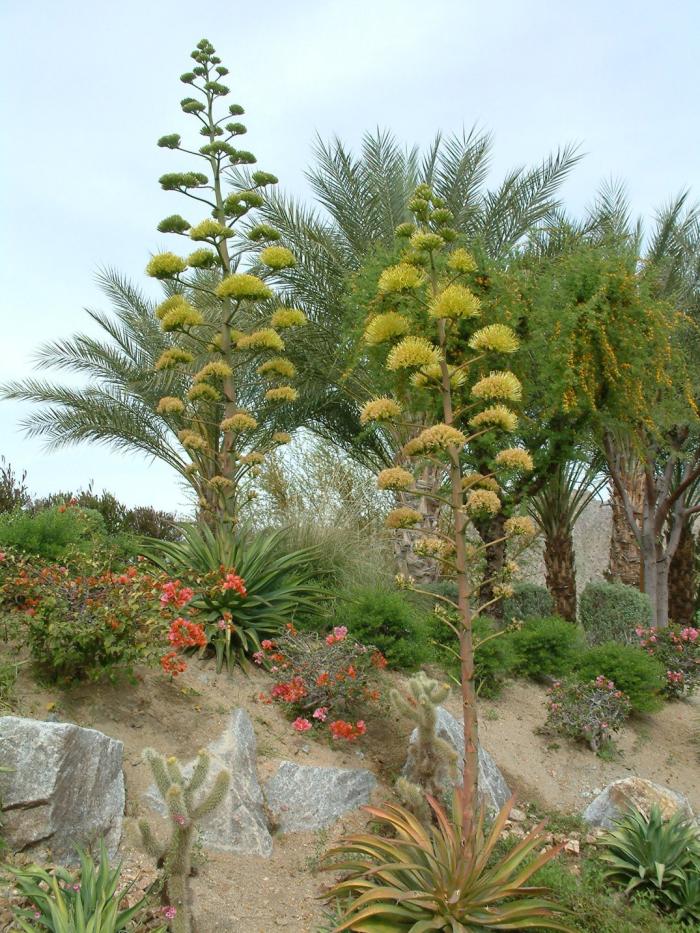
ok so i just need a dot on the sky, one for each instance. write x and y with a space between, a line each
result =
90 85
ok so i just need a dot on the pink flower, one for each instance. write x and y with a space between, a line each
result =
179 819
603 725
222 623
2 558
267 644
170 913
321 713
258 657
301 725
340 631
330 639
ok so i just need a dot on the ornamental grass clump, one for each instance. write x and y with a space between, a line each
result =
438 878
215 362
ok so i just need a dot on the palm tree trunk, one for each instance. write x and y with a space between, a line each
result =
560 571
625 563
682 580
421 569
492 530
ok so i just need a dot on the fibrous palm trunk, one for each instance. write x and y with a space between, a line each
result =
491 531
560 571
423 570
625 562
682 580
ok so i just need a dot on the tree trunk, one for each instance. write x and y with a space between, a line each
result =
560 570
489 530
421 569
682 582
625 562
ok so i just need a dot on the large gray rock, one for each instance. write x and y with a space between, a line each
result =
634 793
493 789
303 797
238 824
65 787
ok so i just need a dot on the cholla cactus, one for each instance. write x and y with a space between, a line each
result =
431 761
223 377
175 856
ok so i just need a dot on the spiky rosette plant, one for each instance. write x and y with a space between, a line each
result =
222 321
174 857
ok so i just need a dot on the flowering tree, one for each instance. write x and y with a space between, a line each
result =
446 394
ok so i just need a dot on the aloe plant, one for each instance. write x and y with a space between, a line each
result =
87 901
653 854
419 880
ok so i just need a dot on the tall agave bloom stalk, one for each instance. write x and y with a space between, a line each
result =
444 366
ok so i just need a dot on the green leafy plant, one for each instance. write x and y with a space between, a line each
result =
612 612
175 856
54 533
638 675
419 880
66 902
529 600
677 649
326 682
91 625
657 855
546 647
494 658
590 712
278 585
388 620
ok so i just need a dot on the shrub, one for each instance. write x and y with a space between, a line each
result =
242 589
529 601
89 626
661 857
425 882
493 653
63 901
612 612
638 675
13 489
546 647
325 682
677 649
588 712
54 534
388 620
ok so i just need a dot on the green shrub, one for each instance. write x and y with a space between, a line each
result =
659 856
529 601
612 612
546 647
88 626
587 712
390 621
632 670
494 658
53 534
66 902
118 518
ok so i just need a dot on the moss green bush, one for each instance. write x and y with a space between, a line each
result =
612 611
632 670
52 533
493 657
529 601
389 620
546 647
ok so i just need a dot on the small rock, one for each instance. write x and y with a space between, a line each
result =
517 815
303 797
573 847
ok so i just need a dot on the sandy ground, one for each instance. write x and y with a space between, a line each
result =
252 895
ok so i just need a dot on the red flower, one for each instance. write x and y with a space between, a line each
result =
233 582
322 679
290 692
173 664
346 730
301 725
184 634
378 660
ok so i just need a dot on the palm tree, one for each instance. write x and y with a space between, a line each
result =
360 201
556 508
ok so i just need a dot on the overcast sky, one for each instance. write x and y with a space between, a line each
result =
89 86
